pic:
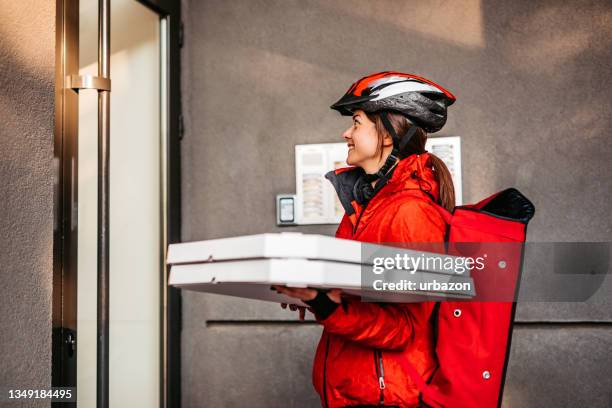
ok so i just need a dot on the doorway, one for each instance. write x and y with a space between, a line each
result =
117 343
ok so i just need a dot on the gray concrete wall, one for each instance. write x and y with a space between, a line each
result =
533 111
27 73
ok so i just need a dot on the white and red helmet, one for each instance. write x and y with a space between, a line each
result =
423 101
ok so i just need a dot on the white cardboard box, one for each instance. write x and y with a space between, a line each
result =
246 266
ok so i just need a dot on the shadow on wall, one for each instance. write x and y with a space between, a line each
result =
26 114
531 80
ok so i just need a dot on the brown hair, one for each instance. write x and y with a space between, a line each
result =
401 124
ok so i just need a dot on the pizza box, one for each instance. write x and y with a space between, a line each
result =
247 266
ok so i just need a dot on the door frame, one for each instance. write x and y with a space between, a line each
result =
64 298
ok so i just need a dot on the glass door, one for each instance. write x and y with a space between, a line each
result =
124 331
135 206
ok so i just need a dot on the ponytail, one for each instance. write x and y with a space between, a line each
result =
445 182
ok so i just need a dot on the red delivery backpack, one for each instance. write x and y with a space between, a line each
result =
473 336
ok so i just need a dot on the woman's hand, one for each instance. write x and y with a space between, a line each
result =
302 309
306 294
303 294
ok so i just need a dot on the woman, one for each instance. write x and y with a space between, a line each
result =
387 198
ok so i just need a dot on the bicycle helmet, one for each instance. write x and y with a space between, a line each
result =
422 101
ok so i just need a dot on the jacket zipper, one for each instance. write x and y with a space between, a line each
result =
380 373
325 372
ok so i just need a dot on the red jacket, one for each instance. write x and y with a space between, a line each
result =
358 337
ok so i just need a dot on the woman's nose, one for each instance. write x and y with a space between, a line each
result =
347 134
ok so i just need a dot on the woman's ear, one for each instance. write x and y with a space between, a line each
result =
387 140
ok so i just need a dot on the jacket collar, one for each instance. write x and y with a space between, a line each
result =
411 173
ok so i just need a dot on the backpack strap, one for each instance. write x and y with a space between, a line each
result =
435 318
446 215
432 396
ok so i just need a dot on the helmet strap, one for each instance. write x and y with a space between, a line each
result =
398 143
389 164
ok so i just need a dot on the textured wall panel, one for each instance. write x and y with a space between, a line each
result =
249 365
560 366
27 63
532 82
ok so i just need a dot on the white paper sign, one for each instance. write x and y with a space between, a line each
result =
317 202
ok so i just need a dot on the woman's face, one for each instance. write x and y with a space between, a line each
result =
362 141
